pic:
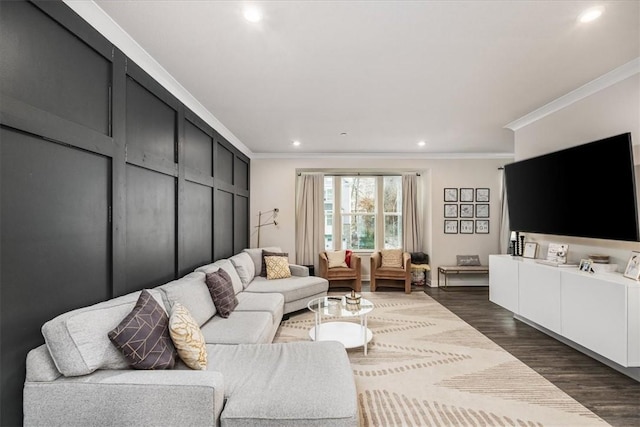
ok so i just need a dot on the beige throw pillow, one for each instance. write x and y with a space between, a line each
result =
277 267
391 258
187 337
336 259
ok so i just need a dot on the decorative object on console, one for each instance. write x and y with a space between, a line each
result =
585 265
633 266
599 259
530 250
270 221
557 253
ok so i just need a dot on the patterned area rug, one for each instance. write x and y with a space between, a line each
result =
427 367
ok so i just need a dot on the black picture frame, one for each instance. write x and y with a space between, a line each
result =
450 210
466 194
482 210
466 210
450 194
482 226
450 226
482 195
466 226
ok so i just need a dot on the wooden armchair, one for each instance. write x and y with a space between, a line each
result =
391 276
342 276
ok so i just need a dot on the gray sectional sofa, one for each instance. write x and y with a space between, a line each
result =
78 377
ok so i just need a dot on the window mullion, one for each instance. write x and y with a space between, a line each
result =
379 214
337 215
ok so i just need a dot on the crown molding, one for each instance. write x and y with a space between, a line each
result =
612 77
105 25
408 156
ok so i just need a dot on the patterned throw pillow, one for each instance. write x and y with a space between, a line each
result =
336 259
187 337
277 267
391 258
143 336
265 253
222 294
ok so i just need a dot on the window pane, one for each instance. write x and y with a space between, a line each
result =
358 232
328 231
392 231
358 194
392 194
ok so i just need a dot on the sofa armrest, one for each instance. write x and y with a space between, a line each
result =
126 397
406 263
299 270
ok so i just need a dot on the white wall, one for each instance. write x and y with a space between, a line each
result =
273 185
611 111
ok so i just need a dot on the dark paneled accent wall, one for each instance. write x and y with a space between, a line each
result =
109 184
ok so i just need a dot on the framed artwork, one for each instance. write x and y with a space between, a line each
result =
450 226
450 194
633 266
450 211
482 210
466 194
466 210
530 250
482 194
466 226
482 226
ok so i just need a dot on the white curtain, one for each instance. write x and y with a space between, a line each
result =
411 225
310 219
505 231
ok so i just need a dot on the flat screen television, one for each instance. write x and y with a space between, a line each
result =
585 191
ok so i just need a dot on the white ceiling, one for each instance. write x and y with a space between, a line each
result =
388 73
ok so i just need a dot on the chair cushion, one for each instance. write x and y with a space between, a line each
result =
336 259
143 335
391 258
390 273
341 273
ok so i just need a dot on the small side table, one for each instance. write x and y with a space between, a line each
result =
457 269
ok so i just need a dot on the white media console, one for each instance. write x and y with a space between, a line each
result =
598 314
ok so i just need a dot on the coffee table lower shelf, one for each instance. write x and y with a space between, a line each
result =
348 334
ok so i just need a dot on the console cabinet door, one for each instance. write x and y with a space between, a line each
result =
539 296
594 315
503 282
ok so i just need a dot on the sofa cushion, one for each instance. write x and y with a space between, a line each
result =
191 291
187 337
263 271
77 340
221 291
244 266
270 303
143 335
308 383
241 327
227 266
256 256
277 267
292 289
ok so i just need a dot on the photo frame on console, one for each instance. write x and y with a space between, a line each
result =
530 250
633 266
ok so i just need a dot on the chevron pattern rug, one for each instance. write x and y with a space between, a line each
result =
427 367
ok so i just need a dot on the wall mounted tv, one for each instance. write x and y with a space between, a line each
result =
585 191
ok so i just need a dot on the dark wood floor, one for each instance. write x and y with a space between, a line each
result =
608 393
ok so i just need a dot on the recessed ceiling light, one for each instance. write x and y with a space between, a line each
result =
590 15
252 14
296 143
421 144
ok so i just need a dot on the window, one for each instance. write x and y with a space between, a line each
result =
368 209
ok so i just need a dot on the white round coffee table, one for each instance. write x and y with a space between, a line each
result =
349 334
